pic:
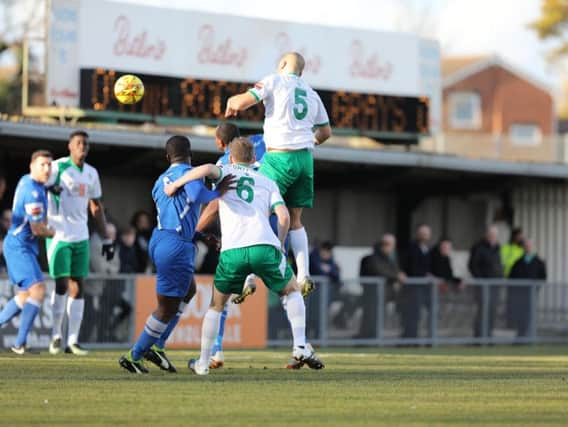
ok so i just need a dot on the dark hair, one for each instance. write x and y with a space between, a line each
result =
136 217
226 132
178 148
515 233
242 150
40 153
444 239
327 245
78 133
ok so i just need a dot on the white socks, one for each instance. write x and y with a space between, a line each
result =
58 310
299 245
209 332
296 312
75 309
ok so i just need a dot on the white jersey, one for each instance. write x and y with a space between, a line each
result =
292 110
67 213
244 212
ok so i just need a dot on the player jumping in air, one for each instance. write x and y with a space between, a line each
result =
295 120
29 221
171 247
249 245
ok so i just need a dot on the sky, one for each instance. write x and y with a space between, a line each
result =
463 27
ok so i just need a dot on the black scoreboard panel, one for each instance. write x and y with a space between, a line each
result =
206 99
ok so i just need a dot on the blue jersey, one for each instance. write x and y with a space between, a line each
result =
179 213
259 150
30 205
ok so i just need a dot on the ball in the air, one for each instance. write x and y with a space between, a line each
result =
128 89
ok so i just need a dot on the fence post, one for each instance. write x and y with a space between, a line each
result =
485 308
380 311
433 312
324 296
533 311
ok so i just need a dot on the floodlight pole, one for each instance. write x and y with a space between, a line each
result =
25 74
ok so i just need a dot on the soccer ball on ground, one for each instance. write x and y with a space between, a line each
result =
128 89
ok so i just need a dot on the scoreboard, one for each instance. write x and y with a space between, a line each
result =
206 99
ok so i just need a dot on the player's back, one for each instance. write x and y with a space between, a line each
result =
29 201
175 213
244 212
292 109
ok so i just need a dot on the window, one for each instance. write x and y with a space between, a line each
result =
465 110
525 134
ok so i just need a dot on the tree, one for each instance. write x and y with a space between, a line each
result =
552 25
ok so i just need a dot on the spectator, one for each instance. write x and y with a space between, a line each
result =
512 251
381 263
142 222
418 263
5 220
529 266
3 188
127 251
485 262
442 265
323 264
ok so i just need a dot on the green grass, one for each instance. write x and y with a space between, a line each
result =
451 386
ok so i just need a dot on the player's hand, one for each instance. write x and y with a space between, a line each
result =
108 249
212 241
55 189
226 184
230 112
170 189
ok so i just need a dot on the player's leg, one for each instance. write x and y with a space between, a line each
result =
34 295
12 308
157 353
75 301
59 260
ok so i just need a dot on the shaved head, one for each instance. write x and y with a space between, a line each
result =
291 62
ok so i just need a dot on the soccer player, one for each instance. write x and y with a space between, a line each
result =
171 247
249 245
29 221
292 111
75 188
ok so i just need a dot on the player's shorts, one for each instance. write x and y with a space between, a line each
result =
293 172
266 261
174 259
22 264
67 259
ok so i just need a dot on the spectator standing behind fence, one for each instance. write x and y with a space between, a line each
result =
381 263
127 251
442 265
323 264
5 220
142 223
528 266
511 252
485 262
417 263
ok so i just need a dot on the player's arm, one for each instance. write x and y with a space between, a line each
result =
198 193
41 229
210 171
208 216
283 217
322 129
322 133
36 215
97 209
240 102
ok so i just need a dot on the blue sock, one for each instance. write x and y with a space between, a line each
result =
161 343
151 333
29 313
10 310
219 340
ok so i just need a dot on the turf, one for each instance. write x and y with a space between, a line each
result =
452 386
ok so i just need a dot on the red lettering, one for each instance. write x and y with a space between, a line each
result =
368 67
223 53
136 45
284 44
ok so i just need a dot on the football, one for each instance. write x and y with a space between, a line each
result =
128 89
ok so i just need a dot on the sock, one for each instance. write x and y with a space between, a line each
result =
57 309
219 340
208 333
75 308
299 244
151 333
10 310
284 301
161 343
29 313
296 311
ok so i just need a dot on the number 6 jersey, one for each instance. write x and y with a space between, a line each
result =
244 211
292 110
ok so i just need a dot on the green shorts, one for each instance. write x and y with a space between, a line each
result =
67 259
266 261
293 172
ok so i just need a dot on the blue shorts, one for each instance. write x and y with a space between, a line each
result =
174 258
22 264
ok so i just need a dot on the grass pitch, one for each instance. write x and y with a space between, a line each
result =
452 386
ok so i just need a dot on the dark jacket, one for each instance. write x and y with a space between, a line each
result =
128 259
535 268
418 263
442 267
319 267
485 260
381 265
